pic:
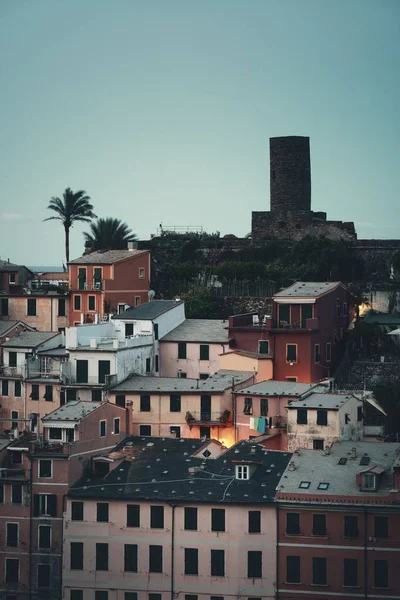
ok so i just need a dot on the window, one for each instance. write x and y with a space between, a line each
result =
328 352
1 493
104 369
216 598
254 521
45 504
242 472
148 365
323 485
43 576
133 515
4 307
293 379
101 595
4 387
55 433
145 430
157 517
76 595
304 485
16 493
181 349
103 428
76 511
130 596
137 300
96 395
302 416
217 563
254 564
61 307
191 597
82 371
350 572
35 392
48 394
120 400
338 307
381 574
12 359
350 526
144 403
156 331
102 512
191 561
155 596
175 430
318 444
141 273
205 433
102 557
128 330
263 407
322 416
14 415
203 376
17 389
381 529
248 406
292 523
293 569
12 534
45 468
155 559
31 307
116 425
368 481
82 278
71 394
263 346
156 365
190 518
217 519
77 303
359 413
175 403
12 278
291 353
317 353
92 303
131 558
204 352
76 556
319 525
16 457
12 570
319 571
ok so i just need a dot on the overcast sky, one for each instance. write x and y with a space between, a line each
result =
162 110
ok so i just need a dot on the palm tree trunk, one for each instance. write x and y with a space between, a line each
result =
67 245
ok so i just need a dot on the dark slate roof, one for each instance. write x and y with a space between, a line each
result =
325 400
217 383
29 339
158 469
279 388
106 258
74 410
147 311
307 289
6 326
8 266
198 331
380 318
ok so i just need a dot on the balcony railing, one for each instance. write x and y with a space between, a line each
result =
96 286
90 380
10 473
53 374
12 371
46 447
208 418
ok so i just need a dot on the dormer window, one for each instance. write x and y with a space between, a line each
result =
242 472
368 481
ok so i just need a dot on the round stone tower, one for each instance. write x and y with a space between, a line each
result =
290 178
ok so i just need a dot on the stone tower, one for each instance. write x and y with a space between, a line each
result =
290 177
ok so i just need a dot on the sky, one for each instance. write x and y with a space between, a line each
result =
162 111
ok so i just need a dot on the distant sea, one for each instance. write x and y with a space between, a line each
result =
41 269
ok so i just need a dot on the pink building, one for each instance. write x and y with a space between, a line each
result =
193 348
171 518
36 471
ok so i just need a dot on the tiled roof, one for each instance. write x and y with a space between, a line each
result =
29 339
279 388
106 258
158 469
74 410
52 275
316 467
317 400
148 310
219 382
6 326
199 330
380 318
307 289
8 266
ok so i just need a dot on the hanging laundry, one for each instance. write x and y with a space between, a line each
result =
256 420
261 425
252 423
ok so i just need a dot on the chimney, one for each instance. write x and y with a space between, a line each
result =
115 344
253 449
132 245
354 453
327 450
93 343
129 419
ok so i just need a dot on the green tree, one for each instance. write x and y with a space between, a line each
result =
202 303
72 207
108 234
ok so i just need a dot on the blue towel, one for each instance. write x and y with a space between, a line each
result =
261 425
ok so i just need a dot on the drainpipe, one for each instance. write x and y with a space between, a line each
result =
365 553
277 551
234 409
173 506
30 528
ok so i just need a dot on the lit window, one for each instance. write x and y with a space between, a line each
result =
242 472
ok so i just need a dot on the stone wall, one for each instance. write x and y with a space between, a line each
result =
366 375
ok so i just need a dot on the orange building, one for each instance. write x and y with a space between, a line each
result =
105 282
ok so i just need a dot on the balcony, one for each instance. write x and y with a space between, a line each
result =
18 474
46 447
220 419
89 380
252 321
12 371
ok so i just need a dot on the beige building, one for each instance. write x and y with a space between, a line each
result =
43 311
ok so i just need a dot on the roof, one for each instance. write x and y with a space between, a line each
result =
279 388
258 355
148 310
199 330
74 410
381 318
316 467
156 468
6 326
108 257
55 352
6 265
219 382
29 339
317 400
307 289
52 275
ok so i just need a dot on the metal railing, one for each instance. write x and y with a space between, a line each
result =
12 371
199 417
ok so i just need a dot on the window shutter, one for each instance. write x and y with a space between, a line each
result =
52 505
36 504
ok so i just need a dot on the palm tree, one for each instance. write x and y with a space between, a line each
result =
108 234
74 206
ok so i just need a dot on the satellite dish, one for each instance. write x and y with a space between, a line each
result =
150 295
